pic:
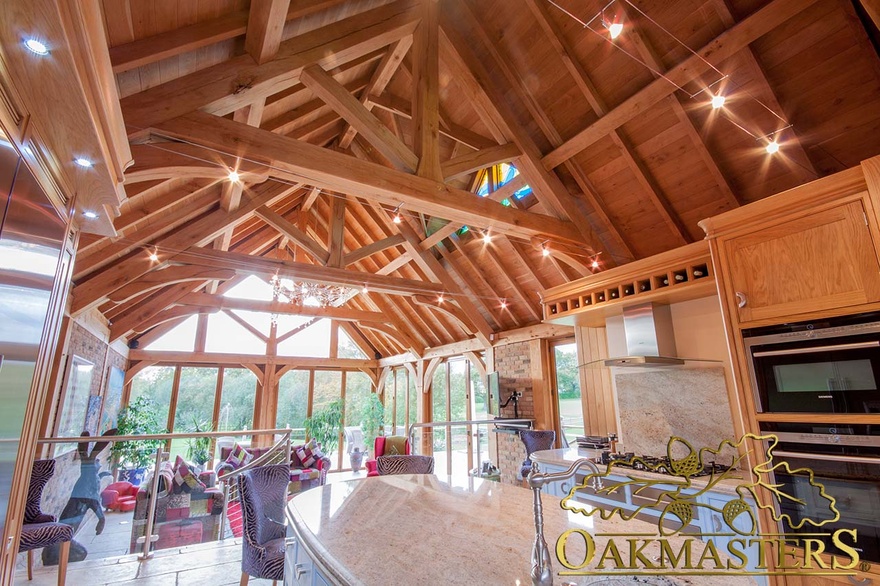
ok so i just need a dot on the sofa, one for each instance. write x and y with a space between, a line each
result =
302 477
187 511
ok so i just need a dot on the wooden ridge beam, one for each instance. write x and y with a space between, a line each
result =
90 292
264 27
227 86
371 249
381 78
327 169
290 231
352 111
474 161
189 38
725 45
247 264
478 76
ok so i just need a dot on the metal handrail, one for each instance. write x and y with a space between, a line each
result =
413 426
158 436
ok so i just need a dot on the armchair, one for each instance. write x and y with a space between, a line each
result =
40 529
119 496
393 443
263 492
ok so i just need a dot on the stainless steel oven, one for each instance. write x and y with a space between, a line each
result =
845 460
832 366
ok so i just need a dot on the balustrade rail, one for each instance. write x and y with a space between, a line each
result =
86 493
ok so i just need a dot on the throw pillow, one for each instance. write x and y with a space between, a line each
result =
238 457
395 445
184 478
305 455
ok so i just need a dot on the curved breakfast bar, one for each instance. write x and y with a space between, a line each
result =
412 529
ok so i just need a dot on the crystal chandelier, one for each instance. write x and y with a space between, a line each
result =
310 294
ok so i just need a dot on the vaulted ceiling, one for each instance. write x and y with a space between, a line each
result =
339 115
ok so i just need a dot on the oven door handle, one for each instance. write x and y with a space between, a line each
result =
831 457
854 346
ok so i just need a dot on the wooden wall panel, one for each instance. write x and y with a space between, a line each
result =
597 393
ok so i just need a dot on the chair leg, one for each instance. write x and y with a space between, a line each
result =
62 562
244 579
30 560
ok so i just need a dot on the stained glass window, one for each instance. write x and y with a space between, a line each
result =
504 173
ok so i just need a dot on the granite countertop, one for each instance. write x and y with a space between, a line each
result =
565 456
411 529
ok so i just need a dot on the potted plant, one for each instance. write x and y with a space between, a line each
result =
325 425
132 458
198 448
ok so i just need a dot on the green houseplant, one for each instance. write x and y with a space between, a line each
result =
198 448
325 425
140 417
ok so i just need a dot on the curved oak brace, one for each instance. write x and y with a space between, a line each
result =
170 160
447 309
172 313
383 378
564 254
396 335
168 276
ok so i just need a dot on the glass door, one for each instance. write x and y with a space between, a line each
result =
568 391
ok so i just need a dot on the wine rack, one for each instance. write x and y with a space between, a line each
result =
677 275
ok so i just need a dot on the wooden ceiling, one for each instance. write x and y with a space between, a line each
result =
336 114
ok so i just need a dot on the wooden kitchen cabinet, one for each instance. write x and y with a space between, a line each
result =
808 252
819 261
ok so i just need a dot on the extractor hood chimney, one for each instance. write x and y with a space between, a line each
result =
649 337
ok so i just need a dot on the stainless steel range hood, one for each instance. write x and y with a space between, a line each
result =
649 337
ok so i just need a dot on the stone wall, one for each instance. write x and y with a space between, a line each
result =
514 367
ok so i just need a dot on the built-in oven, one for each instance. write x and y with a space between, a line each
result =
832 366
845 460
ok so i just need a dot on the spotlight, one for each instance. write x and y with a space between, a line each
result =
504 304
154 257
718 101
615 29
396 218
595 264
36 47
544 250
773 147
486 238
234 176
82 162
90 214
365 290
440 298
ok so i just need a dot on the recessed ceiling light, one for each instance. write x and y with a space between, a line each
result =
718 101
487 238
615 29
773 147
504 304
234 176
90 214
85 163
36 47
595 264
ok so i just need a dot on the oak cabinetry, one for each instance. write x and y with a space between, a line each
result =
805 254
823 260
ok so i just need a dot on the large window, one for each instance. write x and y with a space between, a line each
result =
237 399
358 397
195 405
293 402
328 388
157 383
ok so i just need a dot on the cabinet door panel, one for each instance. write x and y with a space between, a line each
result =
821 261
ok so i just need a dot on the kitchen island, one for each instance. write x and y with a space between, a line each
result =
419 529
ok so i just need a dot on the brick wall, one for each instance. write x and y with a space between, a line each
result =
513 364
